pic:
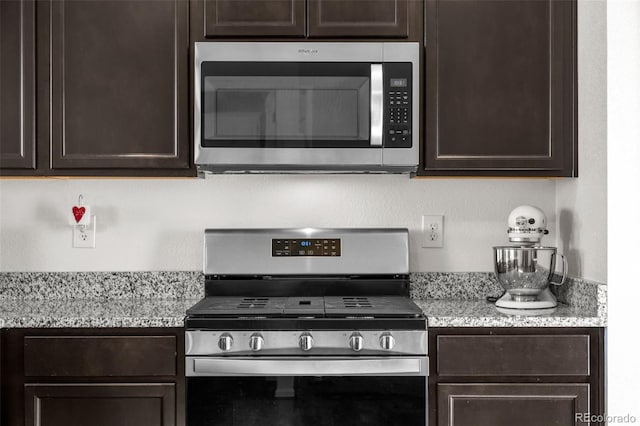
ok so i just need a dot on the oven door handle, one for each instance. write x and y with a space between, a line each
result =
198 366
377 105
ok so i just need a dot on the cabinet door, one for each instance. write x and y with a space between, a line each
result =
118 83
257 18
500 404
100 404
500 87
17 84
358 18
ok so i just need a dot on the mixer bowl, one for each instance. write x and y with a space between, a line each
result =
524 272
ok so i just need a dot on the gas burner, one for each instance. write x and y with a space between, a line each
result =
253 303
371 306
356 302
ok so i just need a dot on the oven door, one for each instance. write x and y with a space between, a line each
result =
307 391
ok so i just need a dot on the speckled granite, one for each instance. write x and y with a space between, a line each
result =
160 299
578 292
102 285
97 299
54 313
479 313
454 285
457 299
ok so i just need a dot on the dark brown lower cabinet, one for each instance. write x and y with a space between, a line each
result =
510 404
515 376
97 377
100 404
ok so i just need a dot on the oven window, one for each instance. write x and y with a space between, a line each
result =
285 105
304 401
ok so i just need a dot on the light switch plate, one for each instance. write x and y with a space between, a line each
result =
432 230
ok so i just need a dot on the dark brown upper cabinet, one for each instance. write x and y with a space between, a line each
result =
110 88
17 85
118 84
328 19
500 88
274 18
358 18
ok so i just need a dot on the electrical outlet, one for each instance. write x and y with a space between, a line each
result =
85 236
432 230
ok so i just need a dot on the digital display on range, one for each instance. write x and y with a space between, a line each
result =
329 247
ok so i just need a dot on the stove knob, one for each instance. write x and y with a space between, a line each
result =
387 342
306 341
256 341
225 342
356 341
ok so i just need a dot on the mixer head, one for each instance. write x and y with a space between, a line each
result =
527 225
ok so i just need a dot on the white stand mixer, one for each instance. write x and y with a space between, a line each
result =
526 270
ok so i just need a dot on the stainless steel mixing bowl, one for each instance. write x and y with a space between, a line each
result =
524 272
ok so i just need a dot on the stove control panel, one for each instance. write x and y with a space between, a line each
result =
309 342
325 247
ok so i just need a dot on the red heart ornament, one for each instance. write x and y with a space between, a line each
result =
78 212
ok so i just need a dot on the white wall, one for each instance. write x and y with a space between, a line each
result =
581 204
623 22
151 224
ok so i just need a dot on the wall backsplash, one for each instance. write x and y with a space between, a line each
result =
157 225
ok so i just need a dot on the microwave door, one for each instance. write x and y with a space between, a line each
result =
285 105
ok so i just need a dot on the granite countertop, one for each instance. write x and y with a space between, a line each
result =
62 313
59 313
480 313
160 299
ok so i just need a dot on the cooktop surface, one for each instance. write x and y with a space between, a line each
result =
307 307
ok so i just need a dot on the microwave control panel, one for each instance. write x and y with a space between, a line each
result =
397 99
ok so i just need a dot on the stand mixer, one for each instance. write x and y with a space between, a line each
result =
526 270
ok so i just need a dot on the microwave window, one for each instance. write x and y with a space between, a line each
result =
285 108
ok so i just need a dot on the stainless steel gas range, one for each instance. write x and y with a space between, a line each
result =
306 327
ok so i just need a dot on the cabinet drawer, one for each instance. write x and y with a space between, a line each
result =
513 355
100 356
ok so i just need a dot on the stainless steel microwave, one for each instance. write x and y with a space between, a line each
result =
305 107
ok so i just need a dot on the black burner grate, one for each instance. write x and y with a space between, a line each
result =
253 303
307 307
356 302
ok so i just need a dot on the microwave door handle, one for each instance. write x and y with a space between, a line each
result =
377 104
